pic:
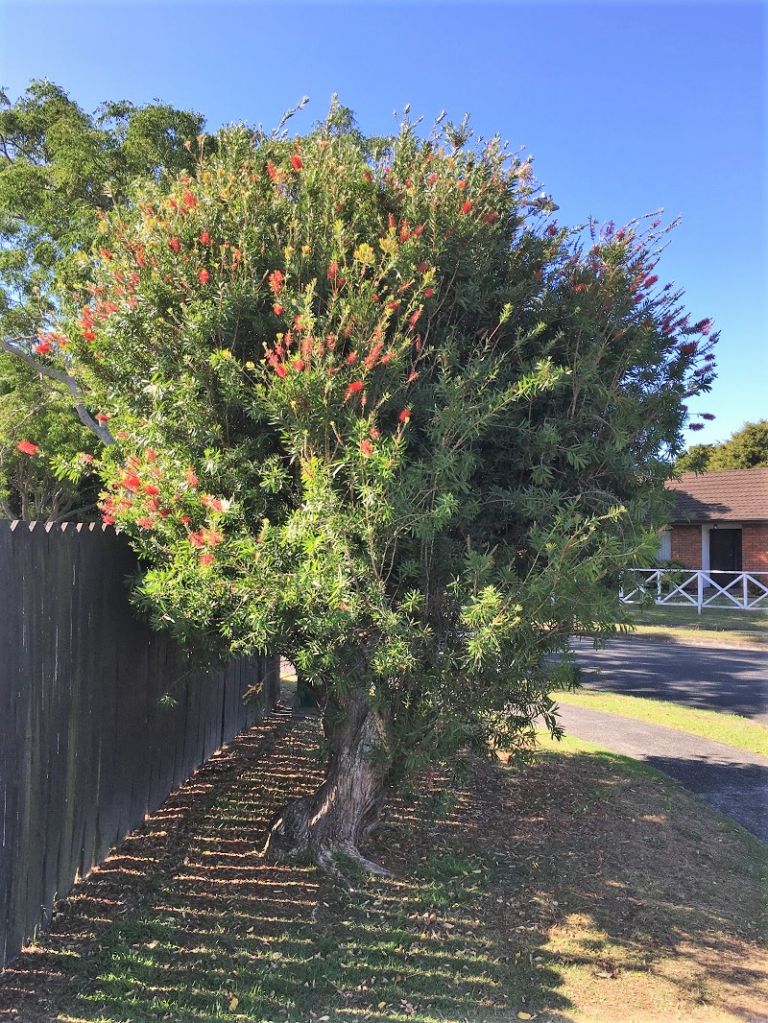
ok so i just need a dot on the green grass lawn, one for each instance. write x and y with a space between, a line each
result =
713 626
711 724
582 888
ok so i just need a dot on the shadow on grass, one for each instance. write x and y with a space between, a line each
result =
202 929
502 885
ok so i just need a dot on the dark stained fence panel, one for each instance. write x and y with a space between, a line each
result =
100 717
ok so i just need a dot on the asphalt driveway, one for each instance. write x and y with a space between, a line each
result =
695 676
730 780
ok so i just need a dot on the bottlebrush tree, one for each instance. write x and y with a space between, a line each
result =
374 409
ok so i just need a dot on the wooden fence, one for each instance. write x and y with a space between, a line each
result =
89 741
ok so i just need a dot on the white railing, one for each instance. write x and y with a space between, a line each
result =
680 587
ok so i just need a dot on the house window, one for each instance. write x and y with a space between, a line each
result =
664 552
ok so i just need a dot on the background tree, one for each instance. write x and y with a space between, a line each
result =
60 168
375 409
43 487
747 448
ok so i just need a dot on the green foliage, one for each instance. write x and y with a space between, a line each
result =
747 448
696 458
60 168
46 486
376 410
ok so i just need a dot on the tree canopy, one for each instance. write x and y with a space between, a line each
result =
373 407
747 448
59 169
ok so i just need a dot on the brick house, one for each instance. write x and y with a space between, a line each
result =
719 521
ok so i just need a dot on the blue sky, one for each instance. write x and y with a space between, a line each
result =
625 107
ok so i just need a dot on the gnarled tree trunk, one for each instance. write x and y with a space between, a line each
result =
326 827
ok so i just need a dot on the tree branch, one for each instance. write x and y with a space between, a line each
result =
100 429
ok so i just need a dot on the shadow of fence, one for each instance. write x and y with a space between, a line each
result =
100 717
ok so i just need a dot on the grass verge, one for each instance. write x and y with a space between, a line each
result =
580 889
713 627
718 726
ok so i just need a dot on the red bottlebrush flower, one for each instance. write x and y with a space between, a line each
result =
212 538
26 447
490 218
275 281
207 501
423 267
206 558
429 292
579 288
203 276
333 270
393 305
354 388
412 376
552 230
277 309
102 417
461 184
151 489
107 519
197 539
650 281
105 254
191 478
414 318
189 199
271 170
151 455
296 162
131 482
298 365
688 349
185 520
153 505
89 335
707 415
695 426
366 448
418 231
391 221
351 359
466 207
405 416
431 178
86 456
174 244
205 238
280 369
368 176
43 347
375 298
144 523
405 233
703 326
375 432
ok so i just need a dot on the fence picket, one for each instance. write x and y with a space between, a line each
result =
87 746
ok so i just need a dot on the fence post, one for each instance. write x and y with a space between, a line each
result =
699 591
745 584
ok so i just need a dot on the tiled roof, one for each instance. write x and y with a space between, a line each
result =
735 495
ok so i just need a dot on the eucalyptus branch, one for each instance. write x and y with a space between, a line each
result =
61 377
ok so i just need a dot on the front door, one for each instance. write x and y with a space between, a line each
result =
724 550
